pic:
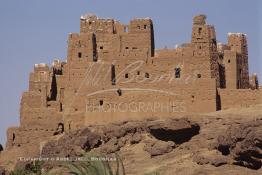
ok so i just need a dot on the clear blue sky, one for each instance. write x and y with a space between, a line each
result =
35 31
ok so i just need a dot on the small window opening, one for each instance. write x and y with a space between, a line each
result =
199 30
13 137
228 61
101 47
147 75
126 75
79 55
198 75
126 47
119 92
145 26
177 72
113 75
138 72
101 102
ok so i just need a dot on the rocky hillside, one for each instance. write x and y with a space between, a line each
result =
224 142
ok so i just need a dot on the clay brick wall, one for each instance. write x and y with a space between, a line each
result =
232 98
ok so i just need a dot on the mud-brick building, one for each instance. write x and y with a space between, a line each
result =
113 72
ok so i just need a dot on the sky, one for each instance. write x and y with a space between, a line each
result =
35 31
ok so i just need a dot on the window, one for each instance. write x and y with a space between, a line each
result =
147 75
101 47
228 61
145 26
198 75
177 72
113 75
101 102
119 92
199 31
126 47
138 72
126 75
79 55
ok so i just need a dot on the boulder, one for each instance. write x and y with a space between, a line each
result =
165 134
243 142
158 147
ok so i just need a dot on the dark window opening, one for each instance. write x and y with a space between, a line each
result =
138 72
147 75
145 26
199 30
79 55
177 72
198 75
228 61
60 129
101 102
119 92
199 47
61 107
13 137
134 48
126 75
126 47
101 47
113 75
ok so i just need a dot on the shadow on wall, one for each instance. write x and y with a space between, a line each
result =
1 148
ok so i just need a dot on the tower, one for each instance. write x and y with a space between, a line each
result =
204 40
238 44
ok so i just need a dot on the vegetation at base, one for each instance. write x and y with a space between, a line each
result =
100 167
33 168
89 167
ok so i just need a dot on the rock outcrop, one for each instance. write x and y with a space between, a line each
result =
243 143
159 136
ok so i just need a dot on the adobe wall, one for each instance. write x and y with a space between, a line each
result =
172 100
232 98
